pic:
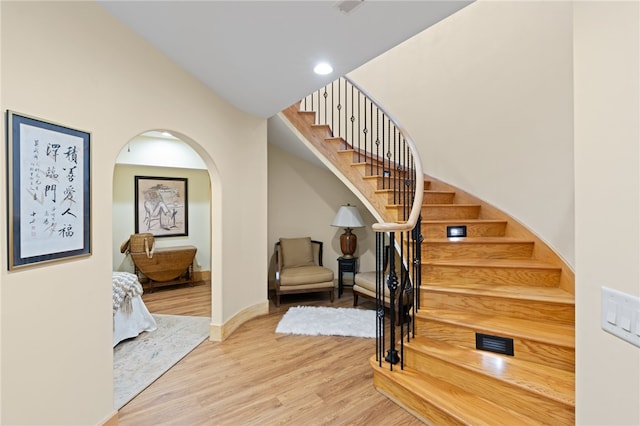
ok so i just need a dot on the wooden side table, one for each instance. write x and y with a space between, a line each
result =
167 266
349 265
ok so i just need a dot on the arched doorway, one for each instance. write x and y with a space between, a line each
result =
166 155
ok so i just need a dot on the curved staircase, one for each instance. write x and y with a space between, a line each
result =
499 284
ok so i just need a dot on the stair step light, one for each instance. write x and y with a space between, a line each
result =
457 231
501 345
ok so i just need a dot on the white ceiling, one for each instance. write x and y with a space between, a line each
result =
259 55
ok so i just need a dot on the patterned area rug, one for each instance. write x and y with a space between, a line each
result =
321 321
140 361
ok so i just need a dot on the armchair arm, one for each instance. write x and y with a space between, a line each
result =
319 243
278 259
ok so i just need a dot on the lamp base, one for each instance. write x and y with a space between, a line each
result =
348 243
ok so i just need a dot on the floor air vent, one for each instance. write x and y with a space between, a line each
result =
501 345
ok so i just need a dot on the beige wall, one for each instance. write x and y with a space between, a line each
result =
303 200
607 146
486 95
72 63
199 191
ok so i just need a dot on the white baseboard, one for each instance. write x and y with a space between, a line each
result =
112 420
218 333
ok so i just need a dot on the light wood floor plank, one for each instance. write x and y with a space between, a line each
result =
257 377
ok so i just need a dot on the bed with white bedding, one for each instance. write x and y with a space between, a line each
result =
130 315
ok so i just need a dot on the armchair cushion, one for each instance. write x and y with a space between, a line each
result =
306 275
365 283
296 252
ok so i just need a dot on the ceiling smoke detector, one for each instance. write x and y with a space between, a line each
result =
347 6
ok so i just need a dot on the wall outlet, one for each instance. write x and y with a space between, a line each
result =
620 315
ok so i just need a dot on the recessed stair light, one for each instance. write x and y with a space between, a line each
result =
457 231
323 68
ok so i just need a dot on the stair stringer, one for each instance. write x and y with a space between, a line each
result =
314 140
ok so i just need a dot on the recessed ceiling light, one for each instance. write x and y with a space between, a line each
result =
323 68
347 6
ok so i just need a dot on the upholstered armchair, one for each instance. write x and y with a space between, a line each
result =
299 268
364 285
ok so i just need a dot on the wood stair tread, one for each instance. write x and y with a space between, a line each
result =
538 293
555 334
454 401
500 263
460 221
430 191
427 205
549 382
379 177
476 240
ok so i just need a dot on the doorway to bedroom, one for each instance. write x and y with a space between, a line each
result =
162 206
174 206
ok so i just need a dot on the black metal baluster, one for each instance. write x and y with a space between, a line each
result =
359 115
380 334
418 262
392 284
353 121
378 145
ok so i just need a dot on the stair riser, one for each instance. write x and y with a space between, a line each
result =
321 130
489 305
392 173
470 250
561 357
428 197
413 403
308 117
363 157
480 274
451 212
438 198
366 169
400 196
534 405
439 230
386 183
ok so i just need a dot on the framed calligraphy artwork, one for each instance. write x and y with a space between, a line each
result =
161 206
49 191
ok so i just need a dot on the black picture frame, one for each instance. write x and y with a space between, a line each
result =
48 191
161 206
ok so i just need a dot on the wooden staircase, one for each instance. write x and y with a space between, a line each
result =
501 280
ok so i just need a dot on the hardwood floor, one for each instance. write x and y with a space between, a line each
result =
257 377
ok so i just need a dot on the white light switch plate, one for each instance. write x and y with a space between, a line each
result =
620 315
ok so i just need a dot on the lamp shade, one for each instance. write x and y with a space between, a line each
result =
348 217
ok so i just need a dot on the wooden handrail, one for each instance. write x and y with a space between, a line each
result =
416 208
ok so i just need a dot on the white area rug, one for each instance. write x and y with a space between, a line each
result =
321 321
140 361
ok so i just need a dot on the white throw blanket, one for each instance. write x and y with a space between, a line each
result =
125 287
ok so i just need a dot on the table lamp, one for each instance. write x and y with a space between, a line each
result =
348 218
